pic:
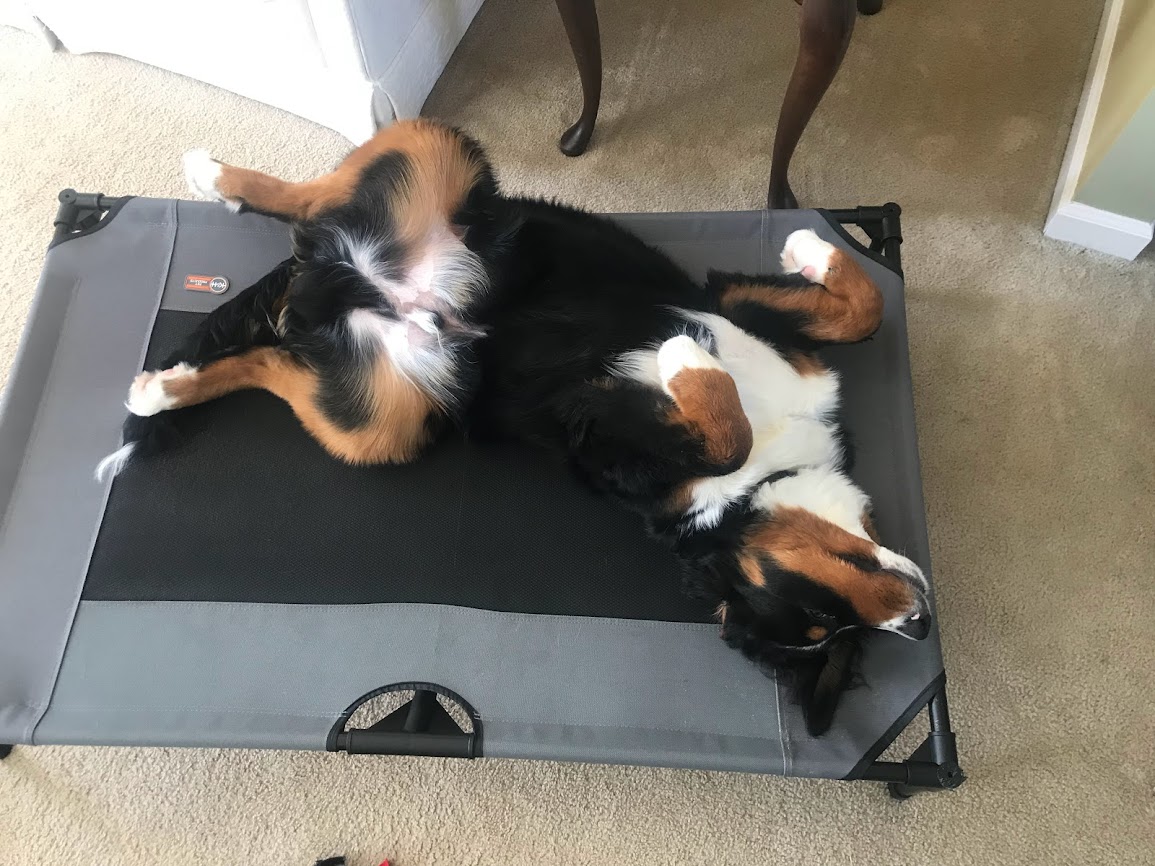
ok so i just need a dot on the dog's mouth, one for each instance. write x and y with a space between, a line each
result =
816 647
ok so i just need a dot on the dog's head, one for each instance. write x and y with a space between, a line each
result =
797 579
798 590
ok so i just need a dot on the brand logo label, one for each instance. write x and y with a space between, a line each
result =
202 283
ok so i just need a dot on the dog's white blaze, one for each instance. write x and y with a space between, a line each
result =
897 562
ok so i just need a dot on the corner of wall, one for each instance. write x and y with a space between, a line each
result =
1077 222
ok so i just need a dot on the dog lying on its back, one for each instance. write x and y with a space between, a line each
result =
418 296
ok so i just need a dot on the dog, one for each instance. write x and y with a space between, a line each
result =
420 297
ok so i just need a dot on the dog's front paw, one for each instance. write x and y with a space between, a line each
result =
203 174
148 395
807 254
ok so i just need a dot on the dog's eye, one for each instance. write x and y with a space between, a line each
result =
819 617
863 562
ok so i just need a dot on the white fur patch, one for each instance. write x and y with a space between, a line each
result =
413 345
111 465
203 173
822 491
807 254
682 353
897 562
147 396
640 365
448 269
788 416
446 273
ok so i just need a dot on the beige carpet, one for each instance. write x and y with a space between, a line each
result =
1033 366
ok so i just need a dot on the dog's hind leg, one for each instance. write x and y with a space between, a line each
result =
393 431
241 188
824 293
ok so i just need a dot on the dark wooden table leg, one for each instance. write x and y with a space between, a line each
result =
824 37
580 18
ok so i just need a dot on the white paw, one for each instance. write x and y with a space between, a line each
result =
681 353
202 173
147 396
807 254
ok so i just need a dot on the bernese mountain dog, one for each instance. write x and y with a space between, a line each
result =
418 296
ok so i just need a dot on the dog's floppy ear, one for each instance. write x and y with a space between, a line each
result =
821 682
815 675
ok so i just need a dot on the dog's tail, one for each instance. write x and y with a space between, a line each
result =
248 320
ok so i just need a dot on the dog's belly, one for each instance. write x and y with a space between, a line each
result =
790 413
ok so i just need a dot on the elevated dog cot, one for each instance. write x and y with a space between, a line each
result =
246 590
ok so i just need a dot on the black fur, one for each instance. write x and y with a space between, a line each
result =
570 292
245 321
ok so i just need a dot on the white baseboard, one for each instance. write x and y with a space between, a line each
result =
1099 230
1080 138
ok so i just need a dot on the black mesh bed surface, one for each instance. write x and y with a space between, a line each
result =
246 590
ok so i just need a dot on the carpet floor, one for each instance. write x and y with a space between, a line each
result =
1034 370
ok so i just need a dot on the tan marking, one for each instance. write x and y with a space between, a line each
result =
397 429
746 293
871 529
441 174
707 401
848 308
806 364
802 542
682 497
817 632
752 571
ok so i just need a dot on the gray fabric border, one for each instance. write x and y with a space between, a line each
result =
547 687
84 339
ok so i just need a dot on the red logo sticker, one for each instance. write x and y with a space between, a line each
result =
202 283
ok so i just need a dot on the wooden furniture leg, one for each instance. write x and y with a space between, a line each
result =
580 18
824 37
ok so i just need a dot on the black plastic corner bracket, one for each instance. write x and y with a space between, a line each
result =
420 726
882 224
81 212
933 766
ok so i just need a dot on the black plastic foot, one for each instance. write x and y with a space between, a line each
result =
899 791
5 751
